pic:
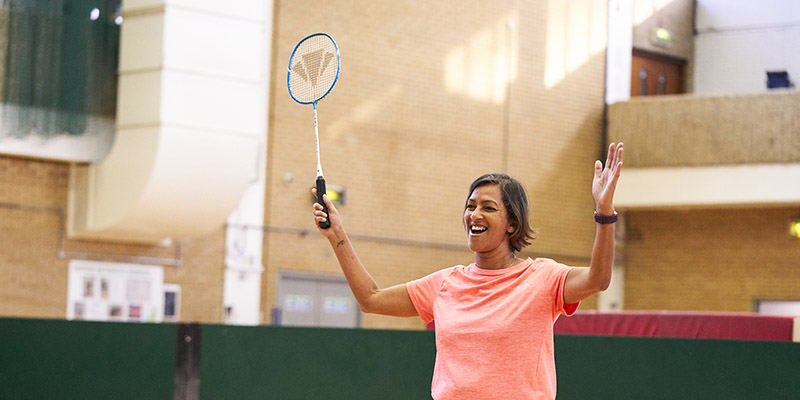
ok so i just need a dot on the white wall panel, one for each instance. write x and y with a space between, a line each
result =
737 62
211 103
138 101
739 41
255 10
213 44
142 41
727 14
751 184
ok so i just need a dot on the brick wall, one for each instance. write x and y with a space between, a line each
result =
711 260
33 200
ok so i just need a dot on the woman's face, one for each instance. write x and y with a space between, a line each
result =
486 220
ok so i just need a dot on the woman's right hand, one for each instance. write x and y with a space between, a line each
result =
333 216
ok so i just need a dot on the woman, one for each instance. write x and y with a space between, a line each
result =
494 318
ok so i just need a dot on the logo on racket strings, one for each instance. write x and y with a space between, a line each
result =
313 65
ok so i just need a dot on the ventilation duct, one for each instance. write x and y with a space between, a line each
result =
191 121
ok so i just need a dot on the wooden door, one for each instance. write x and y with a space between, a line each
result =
655 74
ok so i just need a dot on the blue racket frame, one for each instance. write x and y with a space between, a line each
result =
289 73
320 183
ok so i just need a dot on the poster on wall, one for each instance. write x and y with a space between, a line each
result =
106 291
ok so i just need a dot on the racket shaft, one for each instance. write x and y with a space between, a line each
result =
320 192
316 134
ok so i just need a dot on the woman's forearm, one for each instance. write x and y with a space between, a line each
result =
358 278
602 257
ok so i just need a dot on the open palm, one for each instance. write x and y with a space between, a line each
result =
605 179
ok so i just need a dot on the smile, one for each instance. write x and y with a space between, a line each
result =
477 230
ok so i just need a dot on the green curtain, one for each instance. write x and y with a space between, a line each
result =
59 65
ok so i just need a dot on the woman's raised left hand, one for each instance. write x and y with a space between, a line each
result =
605 179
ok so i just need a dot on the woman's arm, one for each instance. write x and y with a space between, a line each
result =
584 282
393 301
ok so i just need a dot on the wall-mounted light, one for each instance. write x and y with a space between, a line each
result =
336 194
661 37
794 228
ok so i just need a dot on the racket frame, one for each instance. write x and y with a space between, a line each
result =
320 183
289 74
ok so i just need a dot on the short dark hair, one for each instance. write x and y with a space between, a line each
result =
516 202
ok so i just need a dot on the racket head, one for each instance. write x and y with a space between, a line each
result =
313 68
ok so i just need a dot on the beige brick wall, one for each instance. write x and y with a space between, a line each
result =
712 260
34 284
33 199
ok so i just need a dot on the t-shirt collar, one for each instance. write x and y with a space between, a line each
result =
474 269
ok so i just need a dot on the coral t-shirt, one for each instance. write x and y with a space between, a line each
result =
494 329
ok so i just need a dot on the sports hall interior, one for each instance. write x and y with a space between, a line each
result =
206 163
430 97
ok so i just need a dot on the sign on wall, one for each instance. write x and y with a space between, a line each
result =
106 291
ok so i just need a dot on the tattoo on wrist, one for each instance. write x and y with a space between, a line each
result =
341 242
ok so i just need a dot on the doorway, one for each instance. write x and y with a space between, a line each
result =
315 300
654 74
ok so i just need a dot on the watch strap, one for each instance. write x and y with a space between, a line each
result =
605 219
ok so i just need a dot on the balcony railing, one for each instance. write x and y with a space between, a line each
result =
687 131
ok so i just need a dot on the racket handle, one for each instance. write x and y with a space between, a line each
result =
321 191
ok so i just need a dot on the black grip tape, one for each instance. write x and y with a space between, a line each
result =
320 192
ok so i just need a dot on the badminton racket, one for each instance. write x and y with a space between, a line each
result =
313 71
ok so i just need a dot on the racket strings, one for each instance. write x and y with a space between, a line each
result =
314 69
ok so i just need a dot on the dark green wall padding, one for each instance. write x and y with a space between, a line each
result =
598 367
43 359
300 363
53 359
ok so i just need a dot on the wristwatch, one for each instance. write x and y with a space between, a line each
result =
605 219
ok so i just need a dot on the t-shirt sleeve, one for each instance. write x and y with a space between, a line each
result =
558 274
423 293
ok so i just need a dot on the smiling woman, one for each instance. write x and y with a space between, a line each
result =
494 317
498 190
